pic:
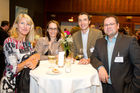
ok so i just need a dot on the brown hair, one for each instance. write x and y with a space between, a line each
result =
85 13
115 17
58 36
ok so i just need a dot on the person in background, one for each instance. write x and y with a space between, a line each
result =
138 36
3 35
65 29
117 59
38 34
102 29
74 29
92 26
3 31
122 31
127 29
50 45
18 52
84 39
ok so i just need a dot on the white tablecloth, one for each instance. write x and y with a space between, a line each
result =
81 79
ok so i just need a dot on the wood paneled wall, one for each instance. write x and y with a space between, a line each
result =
107 6
95 6
65 9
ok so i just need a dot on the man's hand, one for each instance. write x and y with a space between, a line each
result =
103 76
84 61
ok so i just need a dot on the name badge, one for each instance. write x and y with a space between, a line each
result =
91 49
119 59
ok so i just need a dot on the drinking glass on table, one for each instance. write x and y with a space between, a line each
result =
80 54
56 52
52 60
68 65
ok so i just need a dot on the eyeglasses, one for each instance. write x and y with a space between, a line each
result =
111 24
53 29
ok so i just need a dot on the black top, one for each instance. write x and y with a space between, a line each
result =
3 36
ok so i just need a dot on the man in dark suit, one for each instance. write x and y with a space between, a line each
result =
138 36
117 59
3 31
3 35
84 39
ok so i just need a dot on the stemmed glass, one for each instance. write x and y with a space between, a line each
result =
80 54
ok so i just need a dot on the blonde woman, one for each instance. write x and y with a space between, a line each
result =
18 52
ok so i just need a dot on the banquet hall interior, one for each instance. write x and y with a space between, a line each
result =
66 11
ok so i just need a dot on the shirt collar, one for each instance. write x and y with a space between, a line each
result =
86 32
115 37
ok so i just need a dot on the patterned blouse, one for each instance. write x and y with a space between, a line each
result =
15 52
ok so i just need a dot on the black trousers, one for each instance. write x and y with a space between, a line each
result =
2 64
107 88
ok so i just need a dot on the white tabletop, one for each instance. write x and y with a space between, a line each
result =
81 79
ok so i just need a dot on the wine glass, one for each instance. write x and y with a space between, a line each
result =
80 54
52 60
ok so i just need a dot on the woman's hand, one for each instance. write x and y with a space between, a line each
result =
32 64
34 57
32 61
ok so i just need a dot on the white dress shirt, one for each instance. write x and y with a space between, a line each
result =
84 41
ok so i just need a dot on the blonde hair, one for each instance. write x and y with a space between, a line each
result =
14 32
38 31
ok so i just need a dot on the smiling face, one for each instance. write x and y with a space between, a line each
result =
23 27
53 30
83 22
110 27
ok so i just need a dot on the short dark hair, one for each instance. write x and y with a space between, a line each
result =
4 23
115 17
85 13
58 36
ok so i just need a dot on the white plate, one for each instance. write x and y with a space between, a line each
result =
50 72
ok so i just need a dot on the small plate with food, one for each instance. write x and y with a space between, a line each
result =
54 71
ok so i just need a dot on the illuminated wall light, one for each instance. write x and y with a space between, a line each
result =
71 19
129 17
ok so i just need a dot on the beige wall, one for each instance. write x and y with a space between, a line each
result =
4 10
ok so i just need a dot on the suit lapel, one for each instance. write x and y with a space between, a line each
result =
89 39
104 46
80 39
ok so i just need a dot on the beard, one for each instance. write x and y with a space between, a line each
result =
111 32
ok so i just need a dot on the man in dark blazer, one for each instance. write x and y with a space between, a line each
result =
3 35
117 59
85 38
3 31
